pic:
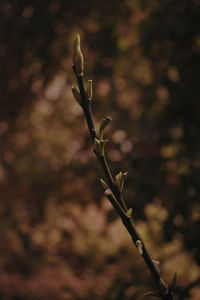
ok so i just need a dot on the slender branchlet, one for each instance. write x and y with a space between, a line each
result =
113 186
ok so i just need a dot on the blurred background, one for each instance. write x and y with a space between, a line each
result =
60 238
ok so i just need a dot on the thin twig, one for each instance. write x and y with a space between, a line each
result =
115 196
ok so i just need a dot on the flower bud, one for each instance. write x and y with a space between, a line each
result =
129 212
163 286
104 184
119 181
78 56
89 90
108 192
103 125
139 246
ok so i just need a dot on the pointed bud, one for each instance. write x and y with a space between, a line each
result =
89 90
118 180
76 47
102 146
129 212
76 94
99 146
78 56
103 125
139 246
104 184
108 192
163 286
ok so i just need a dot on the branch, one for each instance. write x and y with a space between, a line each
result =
113 188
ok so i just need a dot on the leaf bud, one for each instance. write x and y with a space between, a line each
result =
129 212
103 125
118 180
78 56
104 184
139 246
163 286
89 90
108 192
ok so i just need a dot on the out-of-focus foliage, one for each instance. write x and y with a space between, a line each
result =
60 239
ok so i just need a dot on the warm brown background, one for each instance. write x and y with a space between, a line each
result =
59 238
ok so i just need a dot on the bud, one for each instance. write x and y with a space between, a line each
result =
129 212
104 184
76 45
108 192
89 90
78 56
139 246
163 286
76 94
125 175
102 146
118 181
103 125
99 146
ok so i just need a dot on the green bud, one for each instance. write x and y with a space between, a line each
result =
139 246
163 286
129 212
118 181
99 146
76 46
103 125
103 143
104 184
89 90
78 56
76 94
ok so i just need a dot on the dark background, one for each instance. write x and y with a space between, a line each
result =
60 239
